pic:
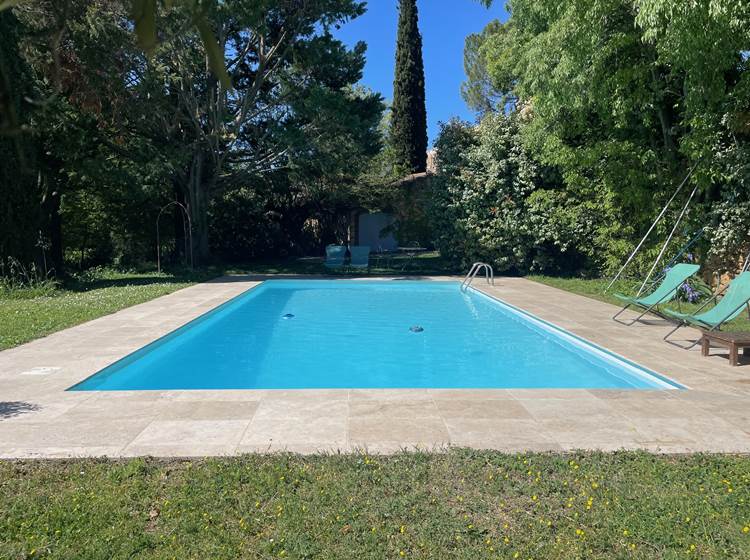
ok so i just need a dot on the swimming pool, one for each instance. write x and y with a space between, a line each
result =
294 334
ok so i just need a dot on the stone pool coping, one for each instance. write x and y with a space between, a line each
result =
39 419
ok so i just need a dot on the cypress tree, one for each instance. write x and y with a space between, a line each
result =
409 115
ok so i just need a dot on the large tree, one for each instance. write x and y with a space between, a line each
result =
408 133
19 206
287 71
622 97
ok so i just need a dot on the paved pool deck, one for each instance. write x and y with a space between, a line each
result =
39 419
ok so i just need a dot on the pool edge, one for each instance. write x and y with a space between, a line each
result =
669 383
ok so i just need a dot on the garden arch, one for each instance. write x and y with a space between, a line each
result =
187 227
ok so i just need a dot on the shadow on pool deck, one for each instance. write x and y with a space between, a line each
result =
11 409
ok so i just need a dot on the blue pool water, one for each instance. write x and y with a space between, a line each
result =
288 334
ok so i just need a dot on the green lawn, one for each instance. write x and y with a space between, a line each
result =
26 314
594 288
460 504
29 313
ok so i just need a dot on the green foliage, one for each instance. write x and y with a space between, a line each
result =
480 90
621 97
18 281
118 134
38 307
492 202
245 226
20 215
459 504
408 135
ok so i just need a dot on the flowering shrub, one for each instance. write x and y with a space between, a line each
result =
492 202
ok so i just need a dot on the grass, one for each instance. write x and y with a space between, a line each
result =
29 313
39 310
460 504
594 288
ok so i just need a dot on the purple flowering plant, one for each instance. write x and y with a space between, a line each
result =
687 293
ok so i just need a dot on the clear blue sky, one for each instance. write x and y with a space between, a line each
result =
444 25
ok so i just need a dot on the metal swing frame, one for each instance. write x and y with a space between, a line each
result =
677 191
656 279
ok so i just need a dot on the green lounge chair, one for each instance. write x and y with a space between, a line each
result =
335 255
666 291
360 256
735 299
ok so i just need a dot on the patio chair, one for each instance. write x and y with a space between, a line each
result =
360 256
664 292
335 255
734 300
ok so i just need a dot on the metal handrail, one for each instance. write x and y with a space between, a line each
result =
489 275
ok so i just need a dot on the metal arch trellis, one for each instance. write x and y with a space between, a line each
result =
188 232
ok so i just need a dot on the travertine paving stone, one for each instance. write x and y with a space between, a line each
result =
38 418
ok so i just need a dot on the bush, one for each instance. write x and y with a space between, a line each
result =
492 202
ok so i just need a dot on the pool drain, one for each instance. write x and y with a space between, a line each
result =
416 328
288 316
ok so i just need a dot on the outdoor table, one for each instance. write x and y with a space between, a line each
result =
732 340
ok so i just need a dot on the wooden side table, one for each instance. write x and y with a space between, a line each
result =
732 340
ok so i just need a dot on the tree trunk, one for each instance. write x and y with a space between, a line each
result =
198 190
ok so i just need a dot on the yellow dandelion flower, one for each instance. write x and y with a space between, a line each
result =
625 533
401 553
746 529
402 529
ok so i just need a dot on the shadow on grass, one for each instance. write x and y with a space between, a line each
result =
84 284
395 265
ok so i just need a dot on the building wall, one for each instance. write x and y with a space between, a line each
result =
370 230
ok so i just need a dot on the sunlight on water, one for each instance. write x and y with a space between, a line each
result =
367 334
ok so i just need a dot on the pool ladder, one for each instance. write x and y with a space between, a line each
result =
476 268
